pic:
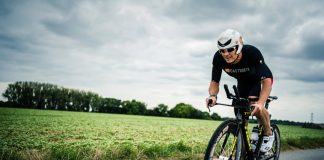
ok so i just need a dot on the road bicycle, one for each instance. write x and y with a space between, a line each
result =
231 140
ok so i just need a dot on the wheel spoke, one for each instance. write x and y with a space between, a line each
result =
225 141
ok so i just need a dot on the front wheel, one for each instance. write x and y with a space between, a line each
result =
226 142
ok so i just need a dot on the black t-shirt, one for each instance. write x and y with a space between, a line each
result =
251 68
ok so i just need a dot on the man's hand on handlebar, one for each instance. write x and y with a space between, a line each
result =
211 101
257 108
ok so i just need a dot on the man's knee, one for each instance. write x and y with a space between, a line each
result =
261 113
258 114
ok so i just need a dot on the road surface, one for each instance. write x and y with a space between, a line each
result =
311 154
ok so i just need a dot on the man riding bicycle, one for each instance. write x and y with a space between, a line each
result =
254 78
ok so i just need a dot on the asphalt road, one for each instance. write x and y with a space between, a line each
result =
311 154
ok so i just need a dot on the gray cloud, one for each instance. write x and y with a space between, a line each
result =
208 10
5 7
9 42
163 48
313 40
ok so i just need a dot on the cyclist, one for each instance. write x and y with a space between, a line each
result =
254 78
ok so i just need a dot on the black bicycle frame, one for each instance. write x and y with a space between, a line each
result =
246 139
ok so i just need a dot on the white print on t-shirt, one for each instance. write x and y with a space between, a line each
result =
239 70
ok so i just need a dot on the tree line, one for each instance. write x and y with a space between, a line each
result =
49 96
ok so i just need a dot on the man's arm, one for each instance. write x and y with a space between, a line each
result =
265 90
213 88
213 91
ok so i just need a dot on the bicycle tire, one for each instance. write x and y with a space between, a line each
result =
228 130
274 153
277 142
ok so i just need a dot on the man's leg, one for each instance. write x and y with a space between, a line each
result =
264 119
262 113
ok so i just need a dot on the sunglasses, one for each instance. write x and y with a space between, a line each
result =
229 50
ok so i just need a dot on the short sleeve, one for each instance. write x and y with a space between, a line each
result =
262 70
217 69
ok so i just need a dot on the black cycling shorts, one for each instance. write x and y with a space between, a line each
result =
247 89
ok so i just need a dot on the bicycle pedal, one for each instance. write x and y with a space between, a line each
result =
265 155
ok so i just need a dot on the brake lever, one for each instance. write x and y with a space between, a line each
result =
210 101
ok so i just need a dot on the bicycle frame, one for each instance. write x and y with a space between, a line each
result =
243 126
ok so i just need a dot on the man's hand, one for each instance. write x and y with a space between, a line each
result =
258 107
211 101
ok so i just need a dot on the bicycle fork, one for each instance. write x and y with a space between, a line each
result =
246 138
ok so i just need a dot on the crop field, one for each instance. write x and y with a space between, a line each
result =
45 134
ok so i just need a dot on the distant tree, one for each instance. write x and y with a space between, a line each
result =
11 94
63 99
160 110
215 116
3 104
182 110
95 102
311 125
77 101
150 112
133 107
110 105
74 103
86 100
41 94
49 96
26 96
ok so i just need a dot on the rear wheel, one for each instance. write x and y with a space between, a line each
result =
226 142
276 144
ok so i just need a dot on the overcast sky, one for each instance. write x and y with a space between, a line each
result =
161 51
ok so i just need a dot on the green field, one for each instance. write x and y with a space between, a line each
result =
45 134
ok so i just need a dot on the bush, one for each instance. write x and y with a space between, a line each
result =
311 125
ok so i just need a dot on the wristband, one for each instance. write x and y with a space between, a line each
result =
213 95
